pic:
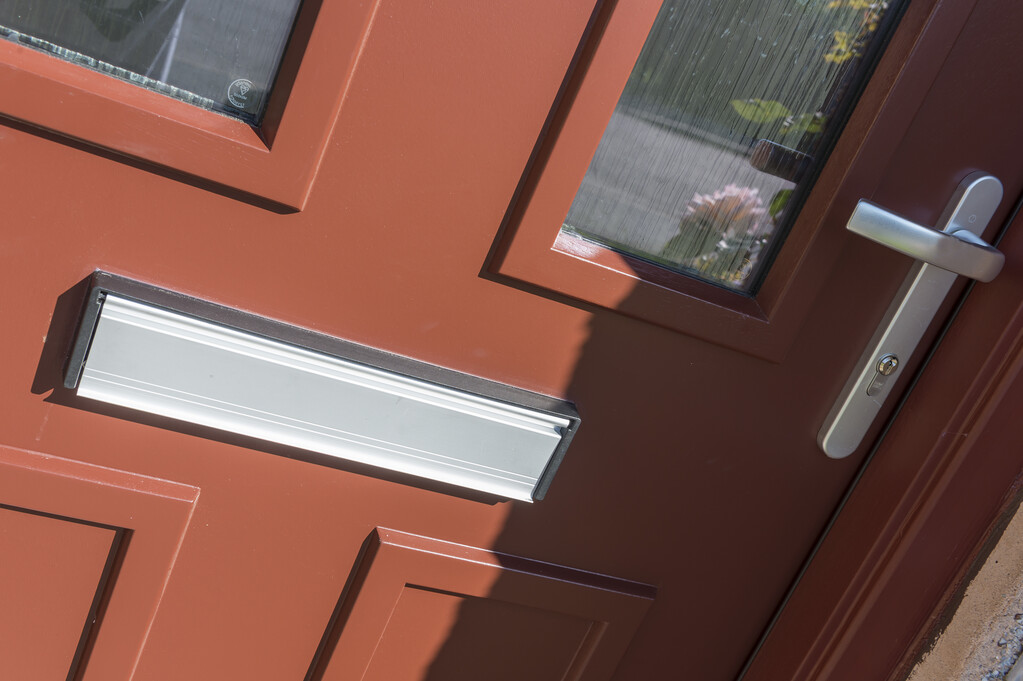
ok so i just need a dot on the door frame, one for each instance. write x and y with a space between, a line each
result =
915 521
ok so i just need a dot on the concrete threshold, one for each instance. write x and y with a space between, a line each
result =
984 638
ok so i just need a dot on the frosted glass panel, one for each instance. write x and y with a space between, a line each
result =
727 112
217 54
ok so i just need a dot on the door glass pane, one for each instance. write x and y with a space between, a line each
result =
728 113
217 54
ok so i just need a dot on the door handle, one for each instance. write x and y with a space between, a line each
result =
954 247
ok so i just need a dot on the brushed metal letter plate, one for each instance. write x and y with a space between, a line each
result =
152 358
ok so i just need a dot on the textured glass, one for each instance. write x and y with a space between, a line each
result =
722 118
217 54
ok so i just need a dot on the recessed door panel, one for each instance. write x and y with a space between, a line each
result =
418 609
436 635
51 574
87 551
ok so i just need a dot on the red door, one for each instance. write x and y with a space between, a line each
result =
405 193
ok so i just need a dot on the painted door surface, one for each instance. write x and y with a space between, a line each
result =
383 202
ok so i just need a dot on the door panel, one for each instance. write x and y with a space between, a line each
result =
51 572
117 534
695 468
421 608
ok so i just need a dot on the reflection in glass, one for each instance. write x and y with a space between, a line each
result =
723 117
217 54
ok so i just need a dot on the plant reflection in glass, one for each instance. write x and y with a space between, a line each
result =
722 234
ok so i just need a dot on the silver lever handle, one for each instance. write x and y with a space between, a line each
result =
954 248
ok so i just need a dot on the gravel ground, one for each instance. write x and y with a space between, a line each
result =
1008 648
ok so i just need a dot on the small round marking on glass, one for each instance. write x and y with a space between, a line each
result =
238 93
